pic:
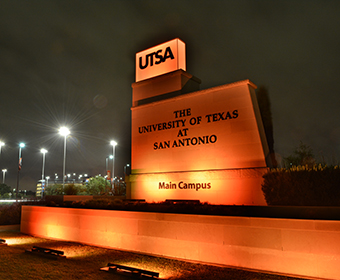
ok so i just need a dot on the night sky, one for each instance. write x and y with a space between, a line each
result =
72 63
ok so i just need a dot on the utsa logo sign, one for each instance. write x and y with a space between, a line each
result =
156 57
161 59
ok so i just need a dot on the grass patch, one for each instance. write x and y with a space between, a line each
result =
84 262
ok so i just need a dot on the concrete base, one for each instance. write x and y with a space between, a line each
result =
228 187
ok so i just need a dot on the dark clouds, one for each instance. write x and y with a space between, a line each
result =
72 63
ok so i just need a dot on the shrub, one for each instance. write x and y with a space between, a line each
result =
82 190
119 188
70 189
98 186
10 214
303 186
4 189
54 190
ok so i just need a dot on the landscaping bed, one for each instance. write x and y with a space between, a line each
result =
10 214
195 207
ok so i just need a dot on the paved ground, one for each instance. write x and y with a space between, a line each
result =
84 262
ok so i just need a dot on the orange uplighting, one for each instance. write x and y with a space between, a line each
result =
22 240
301 247
207 145
164 272
194 133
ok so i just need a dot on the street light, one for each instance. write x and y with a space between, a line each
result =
126 170
113 143
1 144
64 131
43 151
3 175
47 178
21 145
107 164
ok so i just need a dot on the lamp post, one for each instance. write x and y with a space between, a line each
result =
3 175
43 151
21 145
1 144
47 178
107 165
64 131
113 143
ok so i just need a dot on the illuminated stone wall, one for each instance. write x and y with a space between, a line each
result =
206 144
309 248
229 187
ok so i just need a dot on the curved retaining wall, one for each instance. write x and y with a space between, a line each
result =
302 247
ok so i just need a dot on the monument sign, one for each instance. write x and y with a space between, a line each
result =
160 59
195 144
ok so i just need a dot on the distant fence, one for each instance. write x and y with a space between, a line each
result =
14 200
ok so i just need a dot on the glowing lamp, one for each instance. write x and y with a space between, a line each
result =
64 131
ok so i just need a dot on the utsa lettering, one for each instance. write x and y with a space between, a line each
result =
155 58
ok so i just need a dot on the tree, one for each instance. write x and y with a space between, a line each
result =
302 155
4 189
70 189
98 185
54 190
266 115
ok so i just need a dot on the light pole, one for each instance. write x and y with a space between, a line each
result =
64 131
107 165
3 175
125 169
43 151
1 144
47 178
21 145
113 143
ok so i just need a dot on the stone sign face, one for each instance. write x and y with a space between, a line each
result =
161 59
206 144
206 130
